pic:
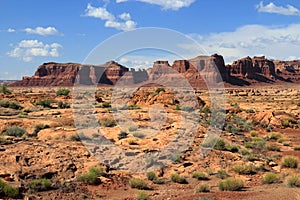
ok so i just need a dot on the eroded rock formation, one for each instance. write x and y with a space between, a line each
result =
196 72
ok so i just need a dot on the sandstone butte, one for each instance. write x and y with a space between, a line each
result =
198 71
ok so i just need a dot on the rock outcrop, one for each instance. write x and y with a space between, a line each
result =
197 72
250 67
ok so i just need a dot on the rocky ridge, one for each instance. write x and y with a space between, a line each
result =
197 71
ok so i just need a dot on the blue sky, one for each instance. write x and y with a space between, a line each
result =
33 32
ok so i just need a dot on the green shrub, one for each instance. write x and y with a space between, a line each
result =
293 180
75 138
202 188
40 184
44 103
106 105
270 178
133 107
231 184
4 141
142 196
15 131
151 176
254 133
222 174
273 147
256 143
214 142
7 190
275 136
200 176
38 128
10 104
209 171
138 184
62 92
289 162
176 178
297 148
122 135
139 135
108 122
232 148
133 128
158 90
4 90
244 152
92 177
63 105
244 169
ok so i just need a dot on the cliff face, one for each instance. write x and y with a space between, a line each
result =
198 71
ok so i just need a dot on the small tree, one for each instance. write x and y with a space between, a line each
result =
4 89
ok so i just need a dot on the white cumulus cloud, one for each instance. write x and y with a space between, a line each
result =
11 30
167 4
122 22
28 49
272 8
276 42
42 31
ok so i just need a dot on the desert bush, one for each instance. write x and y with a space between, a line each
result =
254 133
287 121
138 184
15 131
244 152
202 188
158 90
289 162
214 142
270 178
139 135
4 90
232 148
297 148
106 105
176 178
122 135
132 128
256 143
10 104
91 177
38 128
63 105
200 176
108 122
40 184
133 107
293 180
244 169
222 174
7 190
273 136
44 103
62 92
273 147
4 141
232 128
231 184
142 196
151 176
209 171
80 136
